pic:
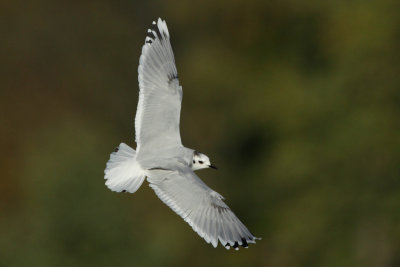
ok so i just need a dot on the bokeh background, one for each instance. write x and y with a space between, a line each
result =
297 102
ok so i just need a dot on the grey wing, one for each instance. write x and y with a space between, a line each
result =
201 207
160 95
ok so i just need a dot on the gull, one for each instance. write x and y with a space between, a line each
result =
161 157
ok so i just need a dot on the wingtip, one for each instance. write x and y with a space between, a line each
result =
242 242
162 27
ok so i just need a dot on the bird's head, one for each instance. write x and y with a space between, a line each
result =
201 161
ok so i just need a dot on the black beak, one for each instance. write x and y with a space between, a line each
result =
213 167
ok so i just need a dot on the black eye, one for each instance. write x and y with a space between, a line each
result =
201 162
194 161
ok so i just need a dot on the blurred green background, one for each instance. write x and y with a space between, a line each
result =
297 102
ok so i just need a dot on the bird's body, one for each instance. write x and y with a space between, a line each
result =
161 157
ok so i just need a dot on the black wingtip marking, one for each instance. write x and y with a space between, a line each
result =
235 245
123 191
244 243
116 149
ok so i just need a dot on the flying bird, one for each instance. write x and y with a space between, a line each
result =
161 157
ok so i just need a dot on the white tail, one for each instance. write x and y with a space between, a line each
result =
123 173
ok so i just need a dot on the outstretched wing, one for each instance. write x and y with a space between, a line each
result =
201 207
160 95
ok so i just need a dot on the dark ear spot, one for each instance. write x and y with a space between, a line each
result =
194 161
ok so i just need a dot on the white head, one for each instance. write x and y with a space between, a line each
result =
201 161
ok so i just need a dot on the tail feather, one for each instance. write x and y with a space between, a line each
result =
123 173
